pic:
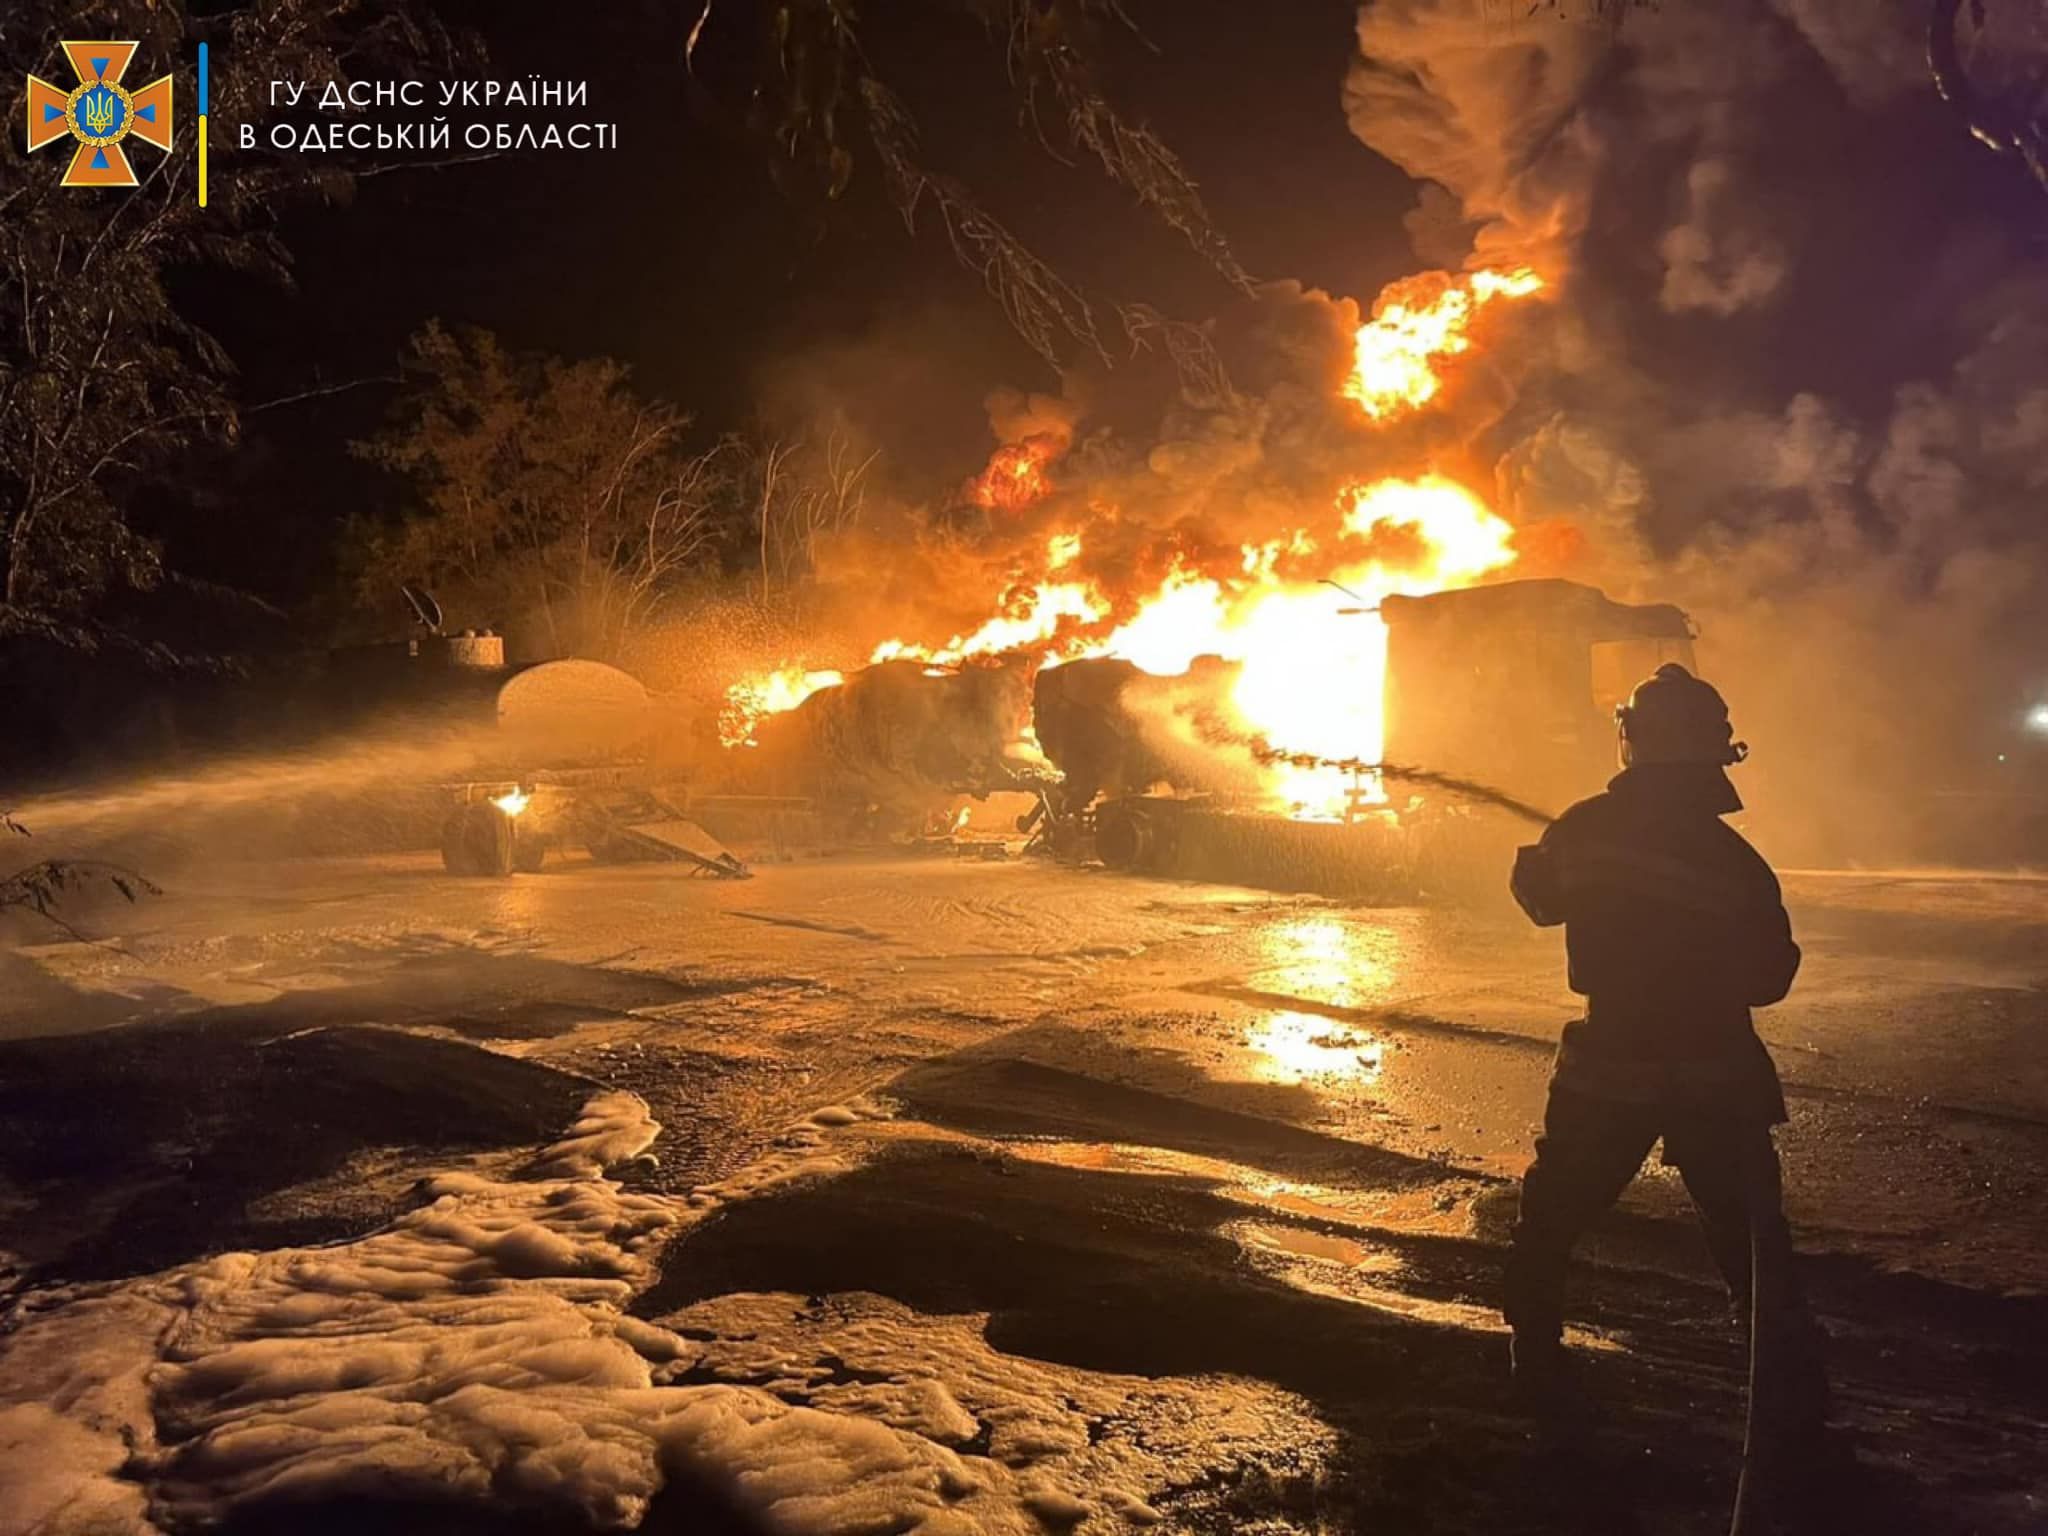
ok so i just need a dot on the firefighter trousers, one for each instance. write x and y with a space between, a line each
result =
1589 1151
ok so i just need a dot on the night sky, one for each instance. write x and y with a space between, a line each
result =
680 253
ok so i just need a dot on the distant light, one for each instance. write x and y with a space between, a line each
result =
2037 719
2001 757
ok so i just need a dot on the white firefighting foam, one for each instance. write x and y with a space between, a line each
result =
479 1350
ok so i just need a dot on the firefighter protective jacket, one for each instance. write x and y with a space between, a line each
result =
1674 930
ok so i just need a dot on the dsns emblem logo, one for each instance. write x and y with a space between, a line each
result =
99 113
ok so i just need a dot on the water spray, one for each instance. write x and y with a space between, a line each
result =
1404 773
1217 733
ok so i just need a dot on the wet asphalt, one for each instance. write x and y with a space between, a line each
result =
1148 1127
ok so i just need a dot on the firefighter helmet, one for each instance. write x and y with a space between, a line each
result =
1674 717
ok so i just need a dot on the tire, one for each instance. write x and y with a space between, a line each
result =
477 840
454 847
1125 837
529 851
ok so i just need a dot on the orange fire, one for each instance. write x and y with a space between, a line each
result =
1016 475
1312 663
753 698
1030 615
1296 612
1311 656
1416 323
1311 660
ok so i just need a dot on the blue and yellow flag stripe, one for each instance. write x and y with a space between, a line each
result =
202 124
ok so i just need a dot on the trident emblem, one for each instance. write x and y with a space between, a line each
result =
99 113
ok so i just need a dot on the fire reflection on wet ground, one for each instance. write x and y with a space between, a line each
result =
1330 957
1300 1046
1193 1133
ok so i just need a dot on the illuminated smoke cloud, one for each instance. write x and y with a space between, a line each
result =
1784 377
1487 110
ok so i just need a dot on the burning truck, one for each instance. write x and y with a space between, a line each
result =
875 753
1228 585
1468 699
1271 670
587 763
1510 683
1233 656
860 761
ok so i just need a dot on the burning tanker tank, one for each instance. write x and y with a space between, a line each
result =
1232 662
1511 684
1113 729
877 754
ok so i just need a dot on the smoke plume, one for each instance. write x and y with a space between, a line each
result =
1791 378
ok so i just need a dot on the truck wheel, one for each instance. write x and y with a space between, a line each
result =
477 840
1125 837
529 851
454 849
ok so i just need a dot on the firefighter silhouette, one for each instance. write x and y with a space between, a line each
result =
1674 931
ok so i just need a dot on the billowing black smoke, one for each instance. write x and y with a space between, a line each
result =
1151 478
1794 376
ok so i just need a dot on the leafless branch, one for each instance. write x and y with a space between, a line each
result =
1039 303
1042 55
368 171
1193 354
2007 128
41 887
320 392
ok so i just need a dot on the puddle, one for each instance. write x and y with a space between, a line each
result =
1443 1210
1326 957
1325 1264
1344 1270
1324 1246
1125 1157
1437 1210
1292 1047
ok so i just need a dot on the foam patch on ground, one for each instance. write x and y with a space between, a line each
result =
469 1346
478 1348
612 1128
1073 1448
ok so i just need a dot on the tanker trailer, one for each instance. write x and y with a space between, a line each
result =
1496 695
584 746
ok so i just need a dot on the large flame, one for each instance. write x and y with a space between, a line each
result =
1030 615
1416 323
1461 537
1296 613
1016 474
1311 654
760 694
1312 662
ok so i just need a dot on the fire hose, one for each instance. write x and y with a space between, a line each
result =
1217 733
1772 1307
1402 773
1772 1304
